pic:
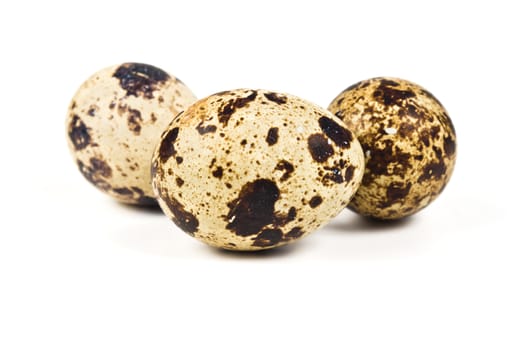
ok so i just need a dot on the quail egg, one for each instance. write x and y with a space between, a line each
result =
115 121
255 169
409 144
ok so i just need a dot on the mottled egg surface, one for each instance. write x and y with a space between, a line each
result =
409 144
255 169
114 123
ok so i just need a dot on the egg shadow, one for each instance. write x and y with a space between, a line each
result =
148 209
353 223
272 253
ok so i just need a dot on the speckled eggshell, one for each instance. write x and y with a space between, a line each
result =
408 141
255 169
114 123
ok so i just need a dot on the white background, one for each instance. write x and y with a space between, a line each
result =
79 271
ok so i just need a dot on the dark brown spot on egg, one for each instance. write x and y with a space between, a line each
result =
226 110
93 175
348 174
277 98
137 190
123 191
449 146
389 96
415 112
341 162
406 129
370 109
434 131
294 233
445 120
179 182
431 96
287 167
387 82
337 133
140 79
438 152
272 136
332 174
133 121
315 201
100 167
79 133
268 238
182 218
319 148
291 214
179 159
253 208
92 110
167 147
432 170
205 129
352 87
395 192
281 219
218 172
424 137
381 158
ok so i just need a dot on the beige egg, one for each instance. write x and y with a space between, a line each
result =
114 123
255 169
408 141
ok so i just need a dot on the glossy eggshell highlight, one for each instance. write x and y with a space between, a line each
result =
114 123
255 169
409 144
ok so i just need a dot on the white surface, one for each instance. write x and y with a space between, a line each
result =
78 271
